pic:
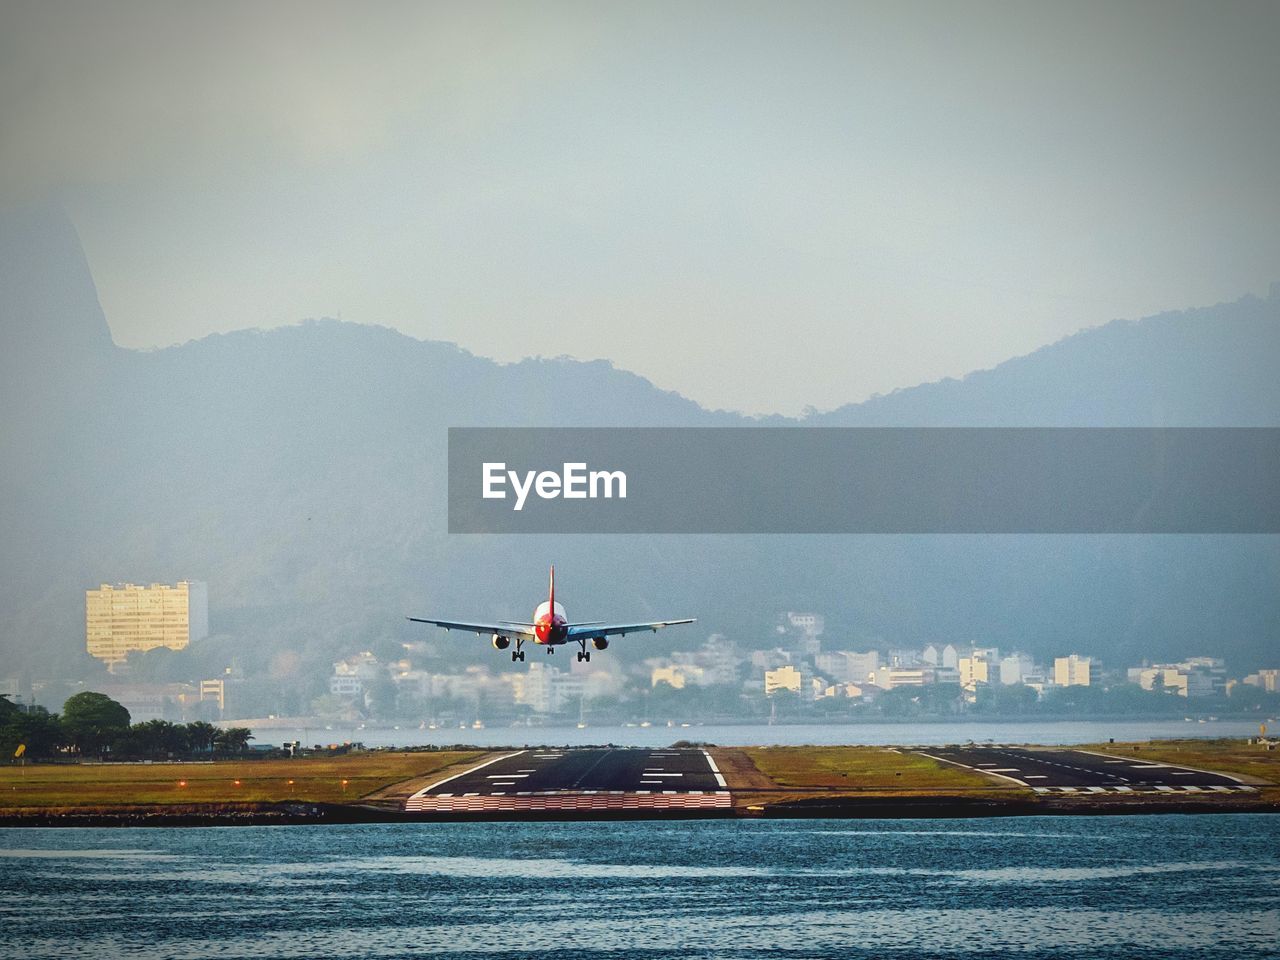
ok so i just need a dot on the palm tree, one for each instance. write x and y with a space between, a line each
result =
233 739
155 738
202 735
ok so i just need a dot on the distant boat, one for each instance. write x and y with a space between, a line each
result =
478 725
645 723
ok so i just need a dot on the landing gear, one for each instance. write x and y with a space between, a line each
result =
517 653
584 655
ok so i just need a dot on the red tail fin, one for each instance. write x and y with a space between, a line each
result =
553 589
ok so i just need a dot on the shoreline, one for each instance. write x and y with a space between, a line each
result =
758 783
815 808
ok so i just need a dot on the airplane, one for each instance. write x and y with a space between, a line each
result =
550 628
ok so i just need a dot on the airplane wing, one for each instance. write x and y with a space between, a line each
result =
513 631
577 630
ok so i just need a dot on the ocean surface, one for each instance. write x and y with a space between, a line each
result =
1052 887
1048 733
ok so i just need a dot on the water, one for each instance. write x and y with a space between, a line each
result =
1051 887
1048 733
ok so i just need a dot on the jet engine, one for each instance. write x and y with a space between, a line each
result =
500 642
600 643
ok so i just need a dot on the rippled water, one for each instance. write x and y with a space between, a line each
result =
1124 887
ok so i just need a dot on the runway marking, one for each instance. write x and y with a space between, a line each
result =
1036 776
714 769
481 766
501 790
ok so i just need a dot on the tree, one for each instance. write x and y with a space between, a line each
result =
158 737
201 735
38 729
233 740
91 721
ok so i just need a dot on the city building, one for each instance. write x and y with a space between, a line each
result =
808 629
785 677
350 676
890 678
863 666
546 689
835 665
1268 680
980 666
676 675
154 701
1076 671
1016 668
214 691
1171 678
1194 677
125 618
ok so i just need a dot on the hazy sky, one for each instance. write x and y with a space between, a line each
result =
761 206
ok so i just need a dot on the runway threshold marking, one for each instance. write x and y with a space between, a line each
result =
469 770
572 797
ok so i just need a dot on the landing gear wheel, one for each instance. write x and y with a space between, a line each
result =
584 655
517 655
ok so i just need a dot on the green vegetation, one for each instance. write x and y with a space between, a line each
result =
322 779
878 770
94 725
91 721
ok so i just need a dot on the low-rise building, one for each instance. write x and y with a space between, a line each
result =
352 675
1076 671
890 678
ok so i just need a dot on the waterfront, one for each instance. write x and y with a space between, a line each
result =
1131 887
1047 733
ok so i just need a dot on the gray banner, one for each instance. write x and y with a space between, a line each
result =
864 480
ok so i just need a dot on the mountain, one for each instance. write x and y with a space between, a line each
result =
300 472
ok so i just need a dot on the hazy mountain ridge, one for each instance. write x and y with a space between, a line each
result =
1212 366
301 472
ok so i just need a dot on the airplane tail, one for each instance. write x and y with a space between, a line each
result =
552 598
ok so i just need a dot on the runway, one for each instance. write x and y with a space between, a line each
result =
594 779
1084 773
